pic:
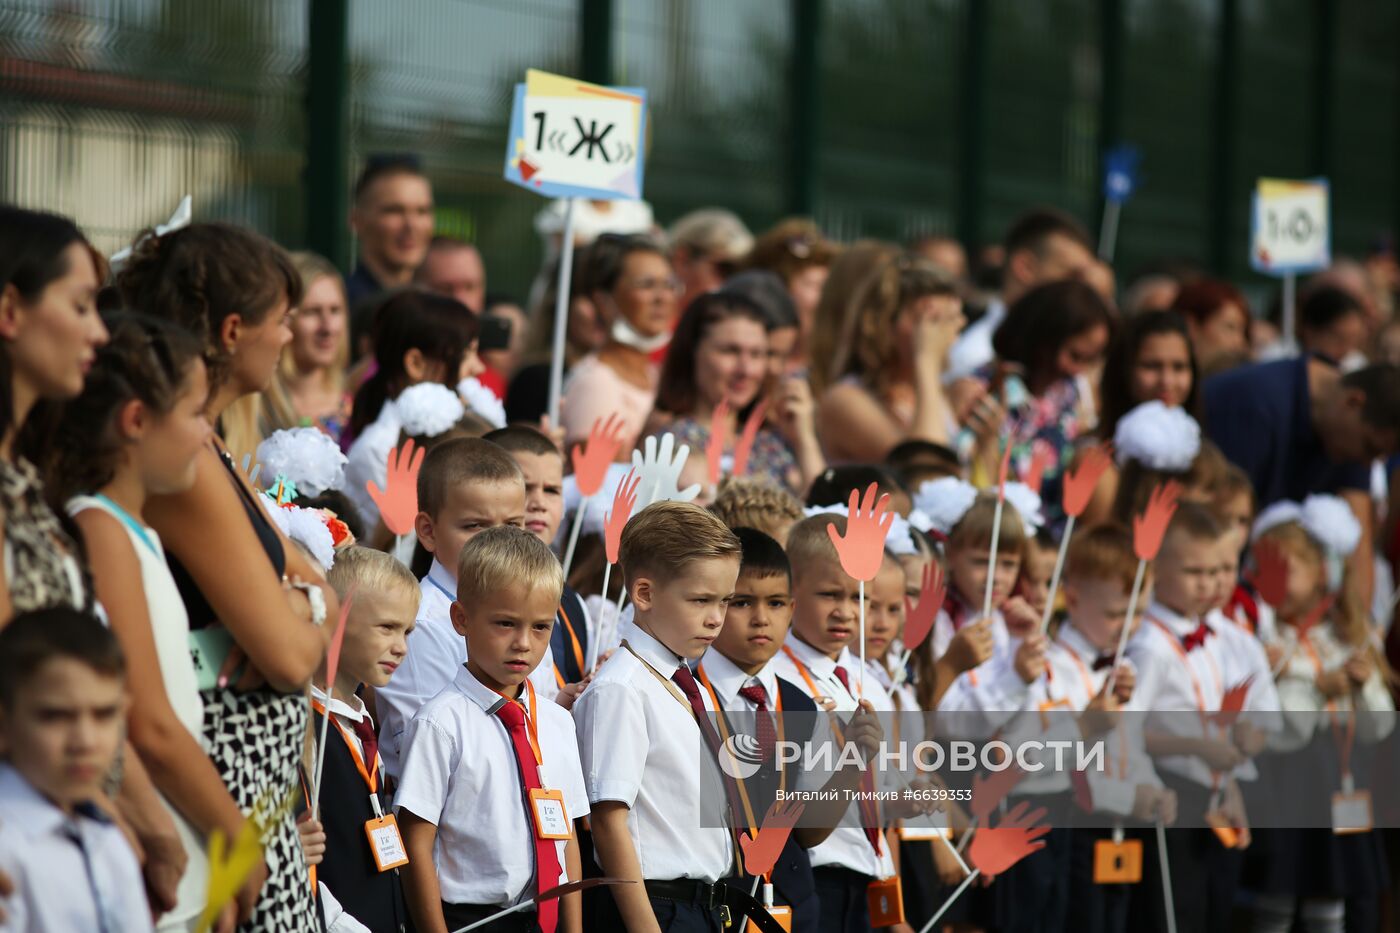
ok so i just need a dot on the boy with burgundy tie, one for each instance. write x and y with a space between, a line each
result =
491 780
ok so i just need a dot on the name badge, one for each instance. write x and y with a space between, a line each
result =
1220 824
1351 812
885 897
1049 706
385 843
551 818
1118 862
779 912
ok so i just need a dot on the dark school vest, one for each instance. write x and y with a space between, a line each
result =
561 647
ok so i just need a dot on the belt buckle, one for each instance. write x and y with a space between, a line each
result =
725 917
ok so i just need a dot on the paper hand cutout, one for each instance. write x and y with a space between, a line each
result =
252 473
229 869
1080 482
714 448
761 854
745 446
591 458
862 550
624 501
990 791
1232 703
1150 527
1018 835
660 470
398 500
1041 455
1270 574
338 639
919 618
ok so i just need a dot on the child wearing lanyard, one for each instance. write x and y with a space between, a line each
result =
491 779
351 794
1326 665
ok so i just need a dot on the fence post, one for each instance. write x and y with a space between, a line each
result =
1220 209
327 137
971 124
1110 91
596 41
805 146
1323 85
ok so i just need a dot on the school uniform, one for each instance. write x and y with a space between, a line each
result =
1184 667
569 642
747 701
352 797
981 699
642 745
855 854
468 766
435 653
70 872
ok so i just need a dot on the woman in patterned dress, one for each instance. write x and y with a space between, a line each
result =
236 290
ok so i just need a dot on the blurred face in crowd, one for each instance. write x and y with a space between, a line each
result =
1082 352
1162 370
1059 258
1224 333
701 272
805 286
256 348
968 567
455 270
884 616
1186 573
946 254
52 341
394 221
782 348
1338 340
1346 435
646 292
319 328
731 362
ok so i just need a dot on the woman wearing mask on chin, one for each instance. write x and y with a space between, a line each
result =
630 283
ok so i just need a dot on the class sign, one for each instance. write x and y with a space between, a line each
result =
1291 229
569 138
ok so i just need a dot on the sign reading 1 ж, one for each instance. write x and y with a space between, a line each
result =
1291 231
569 138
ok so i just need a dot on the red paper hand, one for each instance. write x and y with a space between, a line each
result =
862 550
919 618
338 639
1232 703
591 458
1270 574
1080 482
990 791
719 433
398 500
623 502
745 445
1041 455
1018 835
761 854
1150 527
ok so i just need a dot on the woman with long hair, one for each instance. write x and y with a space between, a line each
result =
308 389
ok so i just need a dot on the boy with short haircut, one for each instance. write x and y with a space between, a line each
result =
464 487
543 466
491 779
63 705
382 611
644 721
1183 665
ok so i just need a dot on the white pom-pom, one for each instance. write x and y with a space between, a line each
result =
308 528
1159 437
1279 513
900 542
428 409
308 457
278 515
917 519
1026 502
836 508
482 401
1332 523
945 501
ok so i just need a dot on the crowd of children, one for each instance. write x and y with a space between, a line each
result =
464 727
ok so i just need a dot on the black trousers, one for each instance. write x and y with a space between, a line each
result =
843 900
460 915
1098 908
671 916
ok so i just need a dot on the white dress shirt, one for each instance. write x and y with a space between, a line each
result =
68 871
346 714
460 773
368 461
1304 705
641 745
847 846
993 686
1245 659
435 653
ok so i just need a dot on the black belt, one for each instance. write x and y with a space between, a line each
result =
717 896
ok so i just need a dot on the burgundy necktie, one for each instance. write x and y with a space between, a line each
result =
1195 639
767 732
369 744
546 854
1103 661
869 808
844 677
686 680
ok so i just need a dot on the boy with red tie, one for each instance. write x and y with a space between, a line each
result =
491 779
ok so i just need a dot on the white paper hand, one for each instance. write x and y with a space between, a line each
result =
659 465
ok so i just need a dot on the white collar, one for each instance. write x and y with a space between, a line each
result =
1073 640
355 712
815 661
484 697
1178 624
650 650
440 578
34 814
727 679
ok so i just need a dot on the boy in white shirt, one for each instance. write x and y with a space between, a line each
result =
491 779
63 704
464 487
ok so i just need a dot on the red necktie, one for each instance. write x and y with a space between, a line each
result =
867 779
546 855
686 681
369 744
767 732
1103 661
1195 639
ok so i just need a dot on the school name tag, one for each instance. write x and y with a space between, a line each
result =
551 817
385 843
1351 812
